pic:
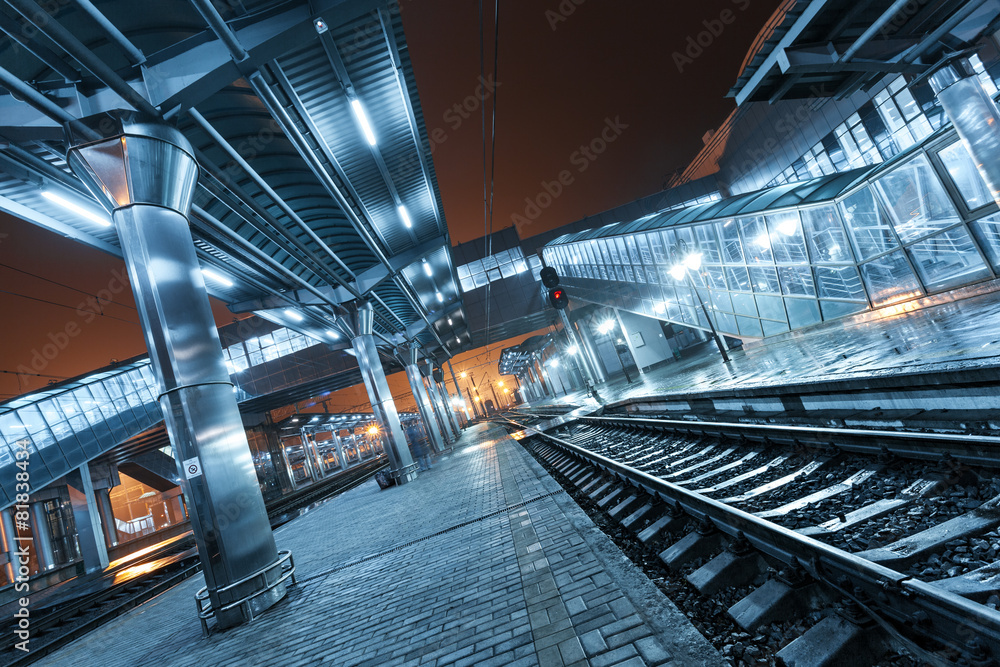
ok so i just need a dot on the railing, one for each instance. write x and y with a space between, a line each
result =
205 611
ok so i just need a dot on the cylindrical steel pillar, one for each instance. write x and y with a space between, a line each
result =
288 466
9 543
143 171
339 444
422 399
107 511
42 537
311 459
589 348
447 427
402 467
463 415
437 376
580 353
975 116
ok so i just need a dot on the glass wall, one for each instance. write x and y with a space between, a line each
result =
924 225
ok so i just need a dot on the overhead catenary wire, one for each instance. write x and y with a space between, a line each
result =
489 178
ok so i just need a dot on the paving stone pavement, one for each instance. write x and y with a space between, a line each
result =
484 560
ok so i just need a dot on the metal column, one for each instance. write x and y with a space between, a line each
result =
143 171
9 543
42 538
590 375
454 379
309 452
89 534
412 360
339 444
108 523
437 376
589 348
440 409
402 467
288 466
975 116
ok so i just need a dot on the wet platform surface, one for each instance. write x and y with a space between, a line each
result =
484 560
961 335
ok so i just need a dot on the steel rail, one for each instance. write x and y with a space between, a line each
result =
945 616
980 450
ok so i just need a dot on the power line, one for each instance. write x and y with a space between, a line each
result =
63 305
488 190
69 287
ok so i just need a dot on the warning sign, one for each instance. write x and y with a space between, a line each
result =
192 467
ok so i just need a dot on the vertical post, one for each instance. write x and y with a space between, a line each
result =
9 543
144 172
590 376
108 523
43 539
974 115
437 375
339 444
458 389
89 533
402 467
288 465
309 462
711 325
447 427
590 349
422 398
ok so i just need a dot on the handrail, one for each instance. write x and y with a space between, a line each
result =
207 612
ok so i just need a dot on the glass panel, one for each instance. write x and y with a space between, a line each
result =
707 244
633 252
732 249
889 279
744 304
842 282
656 245
771 307
786 238
948 259
916 200
832 309
468 284
796 280
739 279
827 240
749 326
721 301
756 243
772 328
802 312
965 176
715 277
726 322
987 232
764 279
870 232
644 253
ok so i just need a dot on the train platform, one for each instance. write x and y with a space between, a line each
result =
911 342
484 560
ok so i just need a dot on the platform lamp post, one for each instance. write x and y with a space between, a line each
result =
144 173
691 261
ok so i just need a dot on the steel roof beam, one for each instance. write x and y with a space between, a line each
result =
134 54
221 29
262 184
411 117
65 40
333 55
48 57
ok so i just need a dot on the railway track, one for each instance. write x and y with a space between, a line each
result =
885 540
142 579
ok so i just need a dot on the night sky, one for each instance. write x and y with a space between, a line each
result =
568 72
